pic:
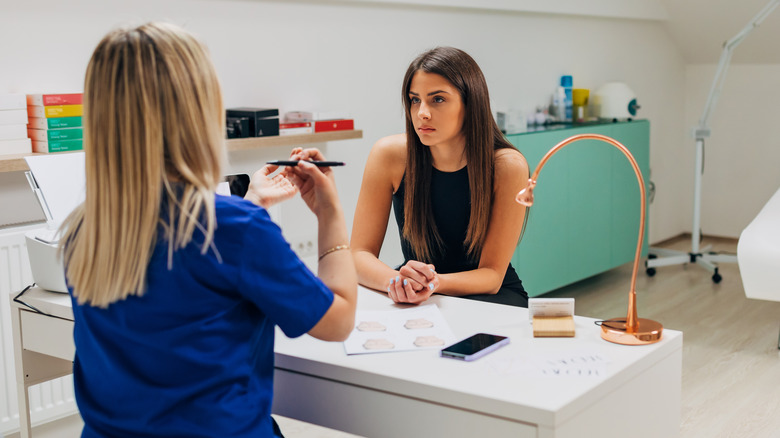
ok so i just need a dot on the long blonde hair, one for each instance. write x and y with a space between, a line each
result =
153 137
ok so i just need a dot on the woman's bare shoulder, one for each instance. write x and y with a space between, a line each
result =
388 158
510 160
390 151
391 146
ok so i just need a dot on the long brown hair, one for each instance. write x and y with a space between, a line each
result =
482 137
153 136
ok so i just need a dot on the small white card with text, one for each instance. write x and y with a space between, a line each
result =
550 307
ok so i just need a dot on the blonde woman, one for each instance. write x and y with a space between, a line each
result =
176 291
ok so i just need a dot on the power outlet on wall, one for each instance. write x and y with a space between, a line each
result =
304 246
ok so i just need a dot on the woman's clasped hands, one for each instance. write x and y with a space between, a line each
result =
415 283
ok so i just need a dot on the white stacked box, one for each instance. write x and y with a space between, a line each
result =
13 125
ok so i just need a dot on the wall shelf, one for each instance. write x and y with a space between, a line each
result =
238 144
15 162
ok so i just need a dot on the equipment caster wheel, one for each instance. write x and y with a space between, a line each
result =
650 271
716 278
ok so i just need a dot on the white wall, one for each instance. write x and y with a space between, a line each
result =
336 55
742 157
700 27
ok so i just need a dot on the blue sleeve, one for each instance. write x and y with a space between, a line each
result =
276 280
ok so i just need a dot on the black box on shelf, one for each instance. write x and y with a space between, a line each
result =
263 122
237 127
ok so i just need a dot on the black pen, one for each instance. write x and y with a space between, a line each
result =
316 163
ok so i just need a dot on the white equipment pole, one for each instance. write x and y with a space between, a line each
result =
700 132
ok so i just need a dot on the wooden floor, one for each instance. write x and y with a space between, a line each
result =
70 427
731 364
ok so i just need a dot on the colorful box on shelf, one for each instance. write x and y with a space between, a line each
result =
295 128
55 111
54 99
322 121
263 122
237 127
54 122
334 125
314 116
55 134
57 146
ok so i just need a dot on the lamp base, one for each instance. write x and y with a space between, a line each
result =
647 331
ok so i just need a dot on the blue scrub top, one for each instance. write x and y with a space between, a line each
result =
193 356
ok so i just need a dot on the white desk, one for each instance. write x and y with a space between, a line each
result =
418 393
43 345
421 394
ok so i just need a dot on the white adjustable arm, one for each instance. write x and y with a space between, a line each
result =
703 130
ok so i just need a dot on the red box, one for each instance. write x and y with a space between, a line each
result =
54 99
334 125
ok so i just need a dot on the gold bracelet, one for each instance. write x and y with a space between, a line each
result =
334 249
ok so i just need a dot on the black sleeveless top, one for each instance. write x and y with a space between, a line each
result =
450 203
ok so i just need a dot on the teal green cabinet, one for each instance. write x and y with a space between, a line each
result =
585 217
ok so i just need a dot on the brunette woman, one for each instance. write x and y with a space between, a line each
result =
451 180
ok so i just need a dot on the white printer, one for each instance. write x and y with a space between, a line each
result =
59 183
45 263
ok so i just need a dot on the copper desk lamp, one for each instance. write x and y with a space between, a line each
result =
630 330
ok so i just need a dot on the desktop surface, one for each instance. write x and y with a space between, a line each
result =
497 385
418 393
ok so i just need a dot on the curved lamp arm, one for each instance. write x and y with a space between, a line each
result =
632 330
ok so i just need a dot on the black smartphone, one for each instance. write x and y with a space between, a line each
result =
239 184
474 347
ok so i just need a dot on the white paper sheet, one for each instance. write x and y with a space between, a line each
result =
384 331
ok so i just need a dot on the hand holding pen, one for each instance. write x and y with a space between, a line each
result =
316 184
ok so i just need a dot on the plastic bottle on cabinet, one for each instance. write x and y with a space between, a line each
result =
566 84
559 104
